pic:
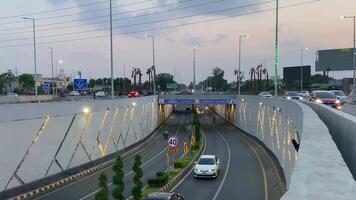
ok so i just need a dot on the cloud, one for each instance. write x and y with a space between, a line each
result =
192 40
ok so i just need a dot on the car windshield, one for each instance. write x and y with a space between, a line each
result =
325 95
206 161
292 93
266 93
339 93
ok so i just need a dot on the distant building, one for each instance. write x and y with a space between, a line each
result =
61 80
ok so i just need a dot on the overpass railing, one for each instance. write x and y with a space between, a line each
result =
52 137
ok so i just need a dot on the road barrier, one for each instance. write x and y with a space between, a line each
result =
48 138
312 165
24 99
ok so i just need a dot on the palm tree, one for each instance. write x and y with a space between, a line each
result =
252 75
149 73
265 72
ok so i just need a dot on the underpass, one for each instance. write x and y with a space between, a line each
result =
266 146
245 171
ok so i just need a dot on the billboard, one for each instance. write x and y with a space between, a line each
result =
291 74
80 84
334 60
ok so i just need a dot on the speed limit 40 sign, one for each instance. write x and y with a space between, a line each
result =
173 142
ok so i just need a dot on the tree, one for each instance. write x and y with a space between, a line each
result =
137 189
118 179
218 81
103 194
91 83
163 79
27 81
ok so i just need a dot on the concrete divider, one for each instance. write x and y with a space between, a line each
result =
342 127
42 139
24 99
312 165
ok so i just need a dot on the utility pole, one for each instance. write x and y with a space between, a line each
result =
34 50
194 52
53 81
111 54
276 55
124 77
239 71
301 68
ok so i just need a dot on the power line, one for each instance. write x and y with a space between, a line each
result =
144 23
164 27
54 10
97 17
119 19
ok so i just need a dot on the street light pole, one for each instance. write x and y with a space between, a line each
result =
153 61
194 52
353 91
238 72
111 54
276 55
34 50
53 82
301 67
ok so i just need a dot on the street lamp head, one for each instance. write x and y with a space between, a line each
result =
195 48
342 17
148 35
306 49
60 61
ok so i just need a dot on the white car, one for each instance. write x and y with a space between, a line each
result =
265 95
340 95
304 94
74 93
207 166
100 94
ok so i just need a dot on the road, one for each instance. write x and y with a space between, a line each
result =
349 108
246 172
153 160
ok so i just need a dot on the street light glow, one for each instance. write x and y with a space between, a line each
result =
60 61
133 103
342 17
86 110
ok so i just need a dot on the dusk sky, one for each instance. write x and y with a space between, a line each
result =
316 25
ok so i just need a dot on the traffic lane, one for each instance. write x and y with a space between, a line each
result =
203 189
349 108
88 185
153 165
251 175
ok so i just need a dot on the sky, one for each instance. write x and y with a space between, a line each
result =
67 25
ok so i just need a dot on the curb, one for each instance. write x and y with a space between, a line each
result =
89 171
175 180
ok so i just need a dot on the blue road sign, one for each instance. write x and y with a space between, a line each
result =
179 101
46 85
80 84
215 101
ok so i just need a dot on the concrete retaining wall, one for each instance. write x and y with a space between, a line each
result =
24 99
342 127
317 171
41 139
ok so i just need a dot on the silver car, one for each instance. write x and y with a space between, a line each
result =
340 95
207 166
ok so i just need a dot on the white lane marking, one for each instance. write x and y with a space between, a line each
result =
86 177
227 166
190 171
142 165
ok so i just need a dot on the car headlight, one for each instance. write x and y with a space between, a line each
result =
337 101
301 98
289 97
318 101
212 170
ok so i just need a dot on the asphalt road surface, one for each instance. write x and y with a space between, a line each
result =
153 157
349 108
246 172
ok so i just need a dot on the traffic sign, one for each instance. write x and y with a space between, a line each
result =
80 84
173 149
186 148
173 142
46 85
172 85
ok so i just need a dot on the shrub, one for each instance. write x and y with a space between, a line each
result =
160 180
181 163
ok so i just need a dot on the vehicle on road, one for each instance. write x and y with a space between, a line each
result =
325 97
304 94
340 95
165 134
133 94
292 95
11 94
149 93
200 111
207 166
164 196
74 93
265 95
100 94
